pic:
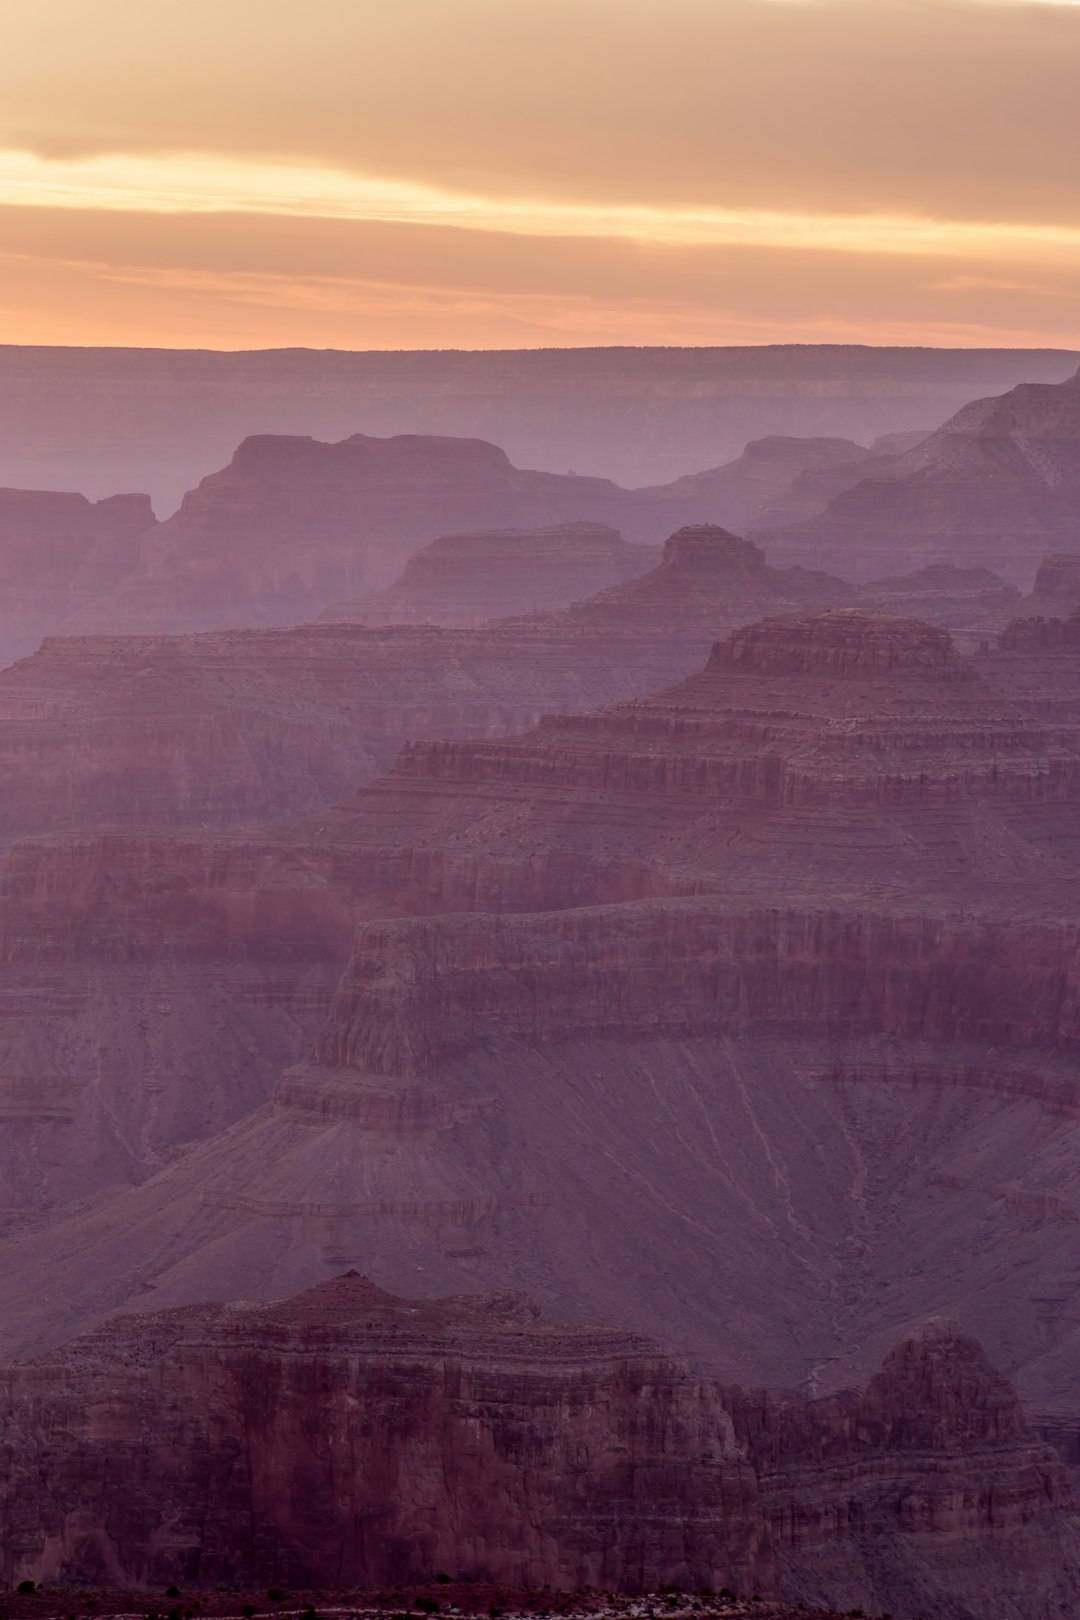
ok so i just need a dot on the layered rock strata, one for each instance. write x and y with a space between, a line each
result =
227 727
772 972
349 1437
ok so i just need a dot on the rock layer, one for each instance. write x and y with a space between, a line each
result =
348 1437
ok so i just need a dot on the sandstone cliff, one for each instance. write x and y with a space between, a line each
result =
349 1437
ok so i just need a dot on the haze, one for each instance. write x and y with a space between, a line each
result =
585 171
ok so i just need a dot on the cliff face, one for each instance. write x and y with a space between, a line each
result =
233 726
463 580
848 783
923 1493
996 486
348 1437
57 553
352 1438
746 1014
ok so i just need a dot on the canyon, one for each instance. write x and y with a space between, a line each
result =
346 1436
734 1016
293 527
231 726
516 909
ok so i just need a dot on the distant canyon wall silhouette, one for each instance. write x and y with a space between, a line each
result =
100 420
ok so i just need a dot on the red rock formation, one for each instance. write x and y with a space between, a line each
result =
463 580
352 1438
755 1009
922 1495
996 487
57 553
348 1437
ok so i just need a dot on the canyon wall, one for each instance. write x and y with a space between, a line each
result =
347 1437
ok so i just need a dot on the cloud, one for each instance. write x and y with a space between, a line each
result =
957 109
238 281
195 184
562 169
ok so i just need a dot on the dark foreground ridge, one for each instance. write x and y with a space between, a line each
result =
440 1596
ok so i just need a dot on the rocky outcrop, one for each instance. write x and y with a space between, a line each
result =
1056 591
462 580
352 1438
57 553
997 486
348 1437
226 727
922 1495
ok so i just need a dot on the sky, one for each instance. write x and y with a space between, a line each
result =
530 173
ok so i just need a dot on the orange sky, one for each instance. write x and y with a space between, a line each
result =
463 173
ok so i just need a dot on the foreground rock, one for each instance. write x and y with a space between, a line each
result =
463 580
245 1444
378 1440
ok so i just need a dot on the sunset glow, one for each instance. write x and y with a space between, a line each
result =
378 178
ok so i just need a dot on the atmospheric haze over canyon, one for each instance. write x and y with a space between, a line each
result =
426 879
540 811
